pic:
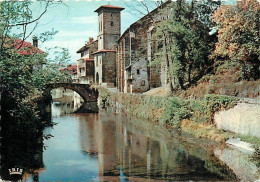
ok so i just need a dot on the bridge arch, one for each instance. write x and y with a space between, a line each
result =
84 90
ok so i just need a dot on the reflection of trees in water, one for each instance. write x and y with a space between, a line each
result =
124 148
177 165
22 145
165 156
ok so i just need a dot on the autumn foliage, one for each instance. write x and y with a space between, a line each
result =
238 35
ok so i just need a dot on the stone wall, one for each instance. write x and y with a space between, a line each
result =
139 73
109 67
112 22
120 65
109 29
244 119
112 29
135 47
93 47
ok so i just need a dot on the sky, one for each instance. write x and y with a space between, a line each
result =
76 21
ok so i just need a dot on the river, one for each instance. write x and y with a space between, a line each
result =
109 146
114 147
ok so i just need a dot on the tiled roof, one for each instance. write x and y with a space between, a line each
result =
87 59
27 48
91 42
109 6
103 51
72 69
85 47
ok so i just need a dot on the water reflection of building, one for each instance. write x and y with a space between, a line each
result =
123 149
97 137
67 96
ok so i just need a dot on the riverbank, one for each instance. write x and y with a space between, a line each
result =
106 146
191 117
194 116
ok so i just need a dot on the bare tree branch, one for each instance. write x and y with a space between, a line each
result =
32 21
145 6
24 33
140 8
36 25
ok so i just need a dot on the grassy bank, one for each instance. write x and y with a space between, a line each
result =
194 116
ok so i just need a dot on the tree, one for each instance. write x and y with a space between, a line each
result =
182 45
204 10
238 36
143 8
22 81
17 15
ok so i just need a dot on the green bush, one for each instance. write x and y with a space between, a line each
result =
175 111
170 110
199 111
203 110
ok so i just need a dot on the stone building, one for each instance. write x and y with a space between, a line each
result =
85 64
135 53
109 22
122 61
72 70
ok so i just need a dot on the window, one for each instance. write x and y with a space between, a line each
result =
138 71
111 23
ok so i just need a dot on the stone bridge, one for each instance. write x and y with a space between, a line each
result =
84 90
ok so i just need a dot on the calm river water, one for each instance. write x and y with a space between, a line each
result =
113 147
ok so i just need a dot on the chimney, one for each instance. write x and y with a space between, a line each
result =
35 41
240 3
90 39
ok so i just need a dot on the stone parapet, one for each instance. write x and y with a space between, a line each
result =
244 119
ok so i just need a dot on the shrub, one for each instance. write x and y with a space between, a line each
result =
175 111
203 110
170 110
